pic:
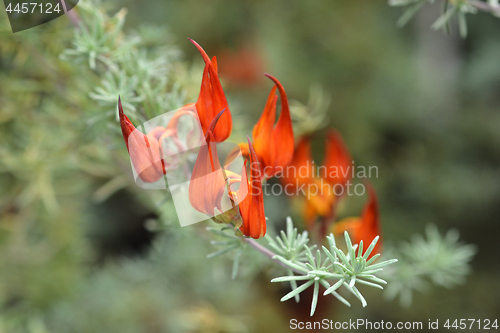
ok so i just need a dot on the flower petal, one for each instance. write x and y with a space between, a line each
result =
252 207
144 150
207 179
300 169
283 132
263 136
212 99
337 161
370 227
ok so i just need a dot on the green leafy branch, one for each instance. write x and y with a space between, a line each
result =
138 66
337 269
344 269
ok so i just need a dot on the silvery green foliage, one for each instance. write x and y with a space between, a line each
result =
292 247
458 8
442 260
337 269
229 243
332 269
117 82
97 39
136 66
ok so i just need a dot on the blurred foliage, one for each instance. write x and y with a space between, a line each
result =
82 249
451 9
442 260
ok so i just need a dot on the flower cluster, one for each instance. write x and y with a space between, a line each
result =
237 198
211 184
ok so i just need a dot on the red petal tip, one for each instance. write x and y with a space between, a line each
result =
202 51
272 78
251 152
120 108
214 122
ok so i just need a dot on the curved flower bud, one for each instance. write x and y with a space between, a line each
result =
144 150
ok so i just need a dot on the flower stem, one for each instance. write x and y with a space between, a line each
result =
268 253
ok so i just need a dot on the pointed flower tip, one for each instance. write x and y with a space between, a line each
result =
202 51
250 146
272 78
220 113
193 41
121 114
252 154
211 128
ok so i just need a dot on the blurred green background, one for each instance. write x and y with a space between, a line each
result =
83 249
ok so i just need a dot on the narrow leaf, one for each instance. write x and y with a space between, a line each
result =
315 297
382 264
334 287
291 278
370 248
370 284
297 291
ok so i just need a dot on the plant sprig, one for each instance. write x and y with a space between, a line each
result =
337 269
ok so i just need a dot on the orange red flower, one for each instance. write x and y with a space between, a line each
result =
252 207
212 99
272 154
274 143
144 150
207 187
